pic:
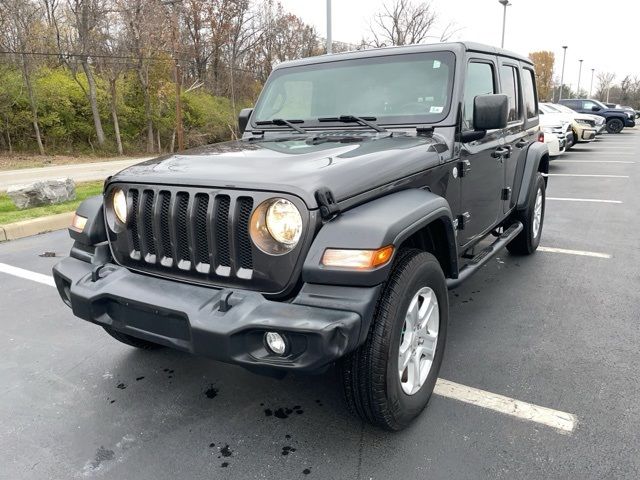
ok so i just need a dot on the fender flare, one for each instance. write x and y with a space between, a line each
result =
535 154
94 231
388 220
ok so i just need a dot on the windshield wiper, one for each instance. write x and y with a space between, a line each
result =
366 121
283 122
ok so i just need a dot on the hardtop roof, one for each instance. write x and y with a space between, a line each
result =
456 47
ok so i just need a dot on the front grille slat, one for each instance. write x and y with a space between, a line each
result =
163 233
133 224
221 229
145 227
199 232
241 222
182 231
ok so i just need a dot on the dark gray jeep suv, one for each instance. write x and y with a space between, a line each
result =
365 185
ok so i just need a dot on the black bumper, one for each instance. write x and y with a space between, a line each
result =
322 323
630 122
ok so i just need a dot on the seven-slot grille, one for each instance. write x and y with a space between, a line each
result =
200 232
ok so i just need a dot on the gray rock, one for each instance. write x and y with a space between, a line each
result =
47 192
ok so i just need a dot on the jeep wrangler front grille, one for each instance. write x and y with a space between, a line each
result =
182 238
200 235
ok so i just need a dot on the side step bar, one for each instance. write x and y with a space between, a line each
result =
485 255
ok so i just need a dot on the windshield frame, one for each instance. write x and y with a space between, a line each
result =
385 121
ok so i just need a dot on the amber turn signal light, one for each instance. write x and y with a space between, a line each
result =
78 223
357 259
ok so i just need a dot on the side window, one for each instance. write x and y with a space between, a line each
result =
574 104
511 87
586 105
479 82
529 93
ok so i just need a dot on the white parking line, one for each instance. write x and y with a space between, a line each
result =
566 422
626 162
584 175
582 253
595 200
563 421
28 274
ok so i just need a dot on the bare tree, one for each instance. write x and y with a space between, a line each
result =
605 82
404 22
87 14
21 17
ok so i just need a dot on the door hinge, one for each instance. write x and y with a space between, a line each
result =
326 201
506 193
464 167
462 220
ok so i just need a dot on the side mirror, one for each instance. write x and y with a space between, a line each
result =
243 119
490 112
595 108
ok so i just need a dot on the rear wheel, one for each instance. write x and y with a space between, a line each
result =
132 341
615 125
532 218
388 380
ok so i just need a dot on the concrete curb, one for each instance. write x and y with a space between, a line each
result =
35 226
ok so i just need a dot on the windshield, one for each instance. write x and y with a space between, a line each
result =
548 108
395 89
564 109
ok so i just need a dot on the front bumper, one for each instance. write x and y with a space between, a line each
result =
630 122
322 323
587 134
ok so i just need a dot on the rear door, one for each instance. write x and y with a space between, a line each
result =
482 173
515 134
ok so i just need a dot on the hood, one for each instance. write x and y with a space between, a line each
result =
296 165
554 119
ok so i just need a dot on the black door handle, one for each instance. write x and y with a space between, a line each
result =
501 152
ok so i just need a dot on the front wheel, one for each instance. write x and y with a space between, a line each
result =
532 218
615 125
388 380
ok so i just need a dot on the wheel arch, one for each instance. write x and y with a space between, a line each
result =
536 161
411 217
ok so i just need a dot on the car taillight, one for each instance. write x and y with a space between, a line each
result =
541 137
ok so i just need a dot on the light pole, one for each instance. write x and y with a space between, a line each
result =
579 75
505 4
564 57
329 40
591 86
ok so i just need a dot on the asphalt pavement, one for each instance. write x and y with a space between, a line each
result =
558 329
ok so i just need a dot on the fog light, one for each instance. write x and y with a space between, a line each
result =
276 343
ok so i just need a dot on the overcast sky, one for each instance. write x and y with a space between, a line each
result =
605 34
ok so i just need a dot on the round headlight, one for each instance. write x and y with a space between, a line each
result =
284 222
120 204
276 226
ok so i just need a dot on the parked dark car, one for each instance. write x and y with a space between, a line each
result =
616 118
359 193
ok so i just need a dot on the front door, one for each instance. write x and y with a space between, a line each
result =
481 165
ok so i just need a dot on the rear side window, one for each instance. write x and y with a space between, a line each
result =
479 82
588 105
511 87
571 103
529 93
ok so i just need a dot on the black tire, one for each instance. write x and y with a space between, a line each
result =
614 125
370 375
132 341
526 242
